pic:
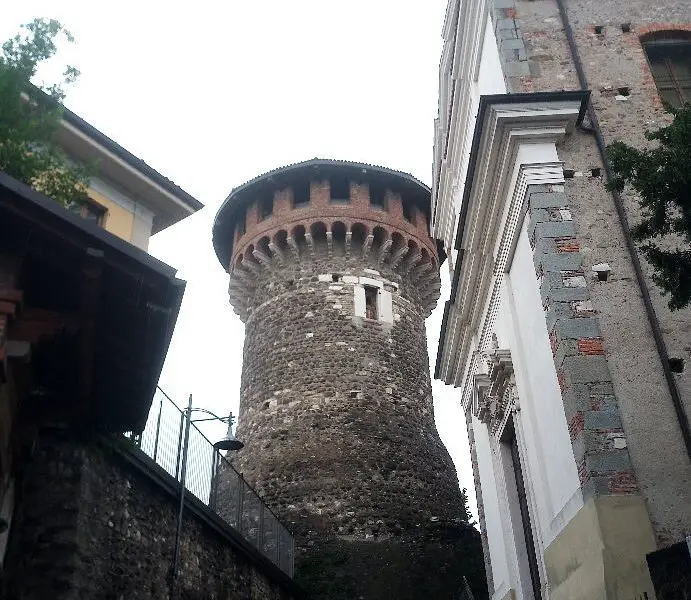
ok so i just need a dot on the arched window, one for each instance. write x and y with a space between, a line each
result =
669 57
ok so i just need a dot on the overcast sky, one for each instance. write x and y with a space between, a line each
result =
213 93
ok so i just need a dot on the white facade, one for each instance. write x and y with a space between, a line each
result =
497 350
470 68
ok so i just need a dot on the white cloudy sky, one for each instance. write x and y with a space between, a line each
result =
212 93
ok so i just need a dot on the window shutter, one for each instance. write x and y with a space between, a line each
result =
385 306
359 300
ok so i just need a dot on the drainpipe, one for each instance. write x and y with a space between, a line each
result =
682 418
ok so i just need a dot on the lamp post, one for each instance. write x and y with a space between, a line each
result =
228 442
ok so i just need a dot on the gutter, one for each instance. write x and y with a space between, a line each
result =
595 129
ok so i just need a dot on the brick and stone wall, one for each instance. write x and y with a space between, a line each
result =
336 408
595 427
92 522
538 59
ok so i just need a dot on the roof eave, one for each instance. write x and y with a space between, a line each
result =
167 201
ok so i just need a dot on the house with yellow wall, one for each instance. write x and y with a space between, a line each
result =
127 197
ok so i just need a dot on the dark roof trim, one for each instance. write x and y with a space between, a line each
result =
134 162
485 103
323 162
88 228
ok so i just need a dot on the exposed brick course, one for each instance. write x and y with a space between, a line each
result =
590 346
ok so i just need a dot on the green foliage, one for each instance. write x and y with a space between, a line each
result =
661 176
30 116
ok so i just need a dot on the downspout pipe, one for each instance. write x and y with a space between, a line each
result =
595 129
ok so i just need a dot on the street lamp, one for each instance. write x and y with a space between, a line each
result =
228 442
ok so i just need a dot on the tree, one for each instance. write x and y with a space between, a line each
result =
661 176
30 115
467 516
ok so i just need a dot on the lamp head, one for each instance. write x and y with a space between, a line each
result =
229 441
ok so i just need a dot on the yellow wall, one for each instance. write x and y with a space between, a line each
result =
600 554
118 221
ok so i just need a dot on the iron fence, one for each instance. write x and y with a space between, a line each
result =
212 479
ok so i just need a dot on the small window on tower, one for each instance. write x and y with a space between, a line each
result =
301 193
371 294
266 206
377 196
241 224
408 212
339 190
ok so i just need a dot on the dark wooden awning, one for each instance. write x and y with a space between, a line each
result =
92 314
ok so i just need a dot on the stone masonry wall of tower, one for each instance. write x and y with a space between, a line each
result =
336 402
610 38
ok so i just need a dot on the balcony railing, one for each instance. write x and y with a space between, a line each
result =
213 480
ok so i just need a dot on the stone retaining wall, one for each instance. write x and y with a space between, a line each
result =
96 522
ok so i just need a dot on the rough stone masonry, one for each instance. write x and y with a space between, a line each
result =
336 405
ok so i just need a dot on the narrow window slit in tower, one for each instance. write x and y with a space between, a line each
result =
376 196
301 193
626 27
624 91
335 277
596 172
569 173
408 212
371 302
339 190
266 207
599 29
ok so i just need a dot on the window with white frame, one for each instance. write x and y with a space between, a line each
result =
372 301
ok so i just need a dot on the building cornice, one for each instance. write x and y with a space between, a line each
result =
464 32
493 207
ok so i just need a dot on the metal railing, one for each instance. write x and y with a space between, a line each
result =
213 480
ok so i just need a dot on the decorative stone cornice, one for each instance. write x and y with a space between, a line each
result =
514 146
419 267
494 392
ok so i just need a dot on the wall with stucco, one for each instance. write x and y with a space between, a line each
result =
551 469
611 60
125 217
551 477
487 79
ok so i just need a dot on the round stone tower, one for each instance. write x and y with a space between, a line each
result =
333 271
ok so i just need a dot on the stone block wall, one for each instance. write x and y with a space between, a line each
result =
94 522
337 417
597 436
